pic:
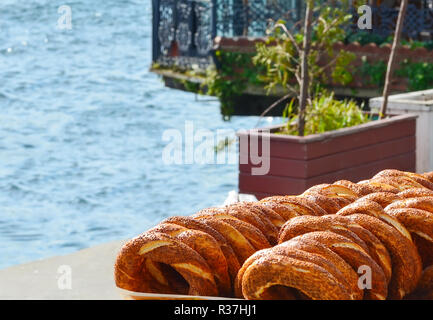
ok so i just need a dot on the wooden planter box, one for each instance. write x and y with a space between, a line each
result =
355 153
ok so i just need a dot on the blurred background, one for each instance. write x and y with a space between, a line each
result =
81 127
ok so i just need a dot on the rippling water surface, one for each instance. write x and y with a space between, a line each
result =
81 124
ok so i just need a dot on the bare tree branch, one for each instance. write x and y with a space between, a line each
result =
390 69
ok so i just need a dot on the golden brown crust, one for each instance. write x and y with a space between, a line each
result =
356 257
415 193
423 203
428 176
207 247
305 224
329 205
420 223
376 248
194 224
426 282
265 226
382 198
266 212
285 211
400 182
406 261
348 281
288 272
325 235
164 249
299 204
340 193
370 186
311 246
422 180
290 250
362 206
373 209
425 249
240 244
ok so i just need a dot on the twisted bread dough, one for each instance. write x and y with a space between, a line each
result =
301 205
356 257
383 198
422 180
324 235
271 270
344 227
193 224
420 223
371 208
415 193
206 246
161 248
406 262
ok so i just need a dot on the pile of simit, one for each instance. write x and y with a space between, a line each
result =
310 246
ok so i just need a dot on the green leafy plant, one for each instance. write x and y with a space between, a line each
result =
419 74
229 81
300 63
364 38
325 113
373 73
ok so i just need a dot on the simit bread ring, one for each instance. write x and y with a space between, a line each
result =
414 176
425 249
406 262
344 227
415 193
428 176
423 203
348 280
300 204
311 246
266 212
382 198
269 230
342 194
226 248
331 206
370 186
272 270
356 257
305 224
250 232
371 208
285 211
179 260
240 244
426 282
242 213
419 222
400 182
289 251
244 238
206 246
376 248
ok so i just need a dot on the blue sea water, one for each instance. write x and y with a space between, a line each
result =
81 125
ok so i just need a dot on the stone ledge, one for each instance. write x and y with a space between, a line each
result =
91 276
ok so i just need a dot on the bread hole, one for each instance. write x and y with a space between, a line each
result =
176 282
279 292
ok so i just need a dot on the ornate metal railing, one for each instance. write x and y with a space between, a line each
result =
184 30
418 19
